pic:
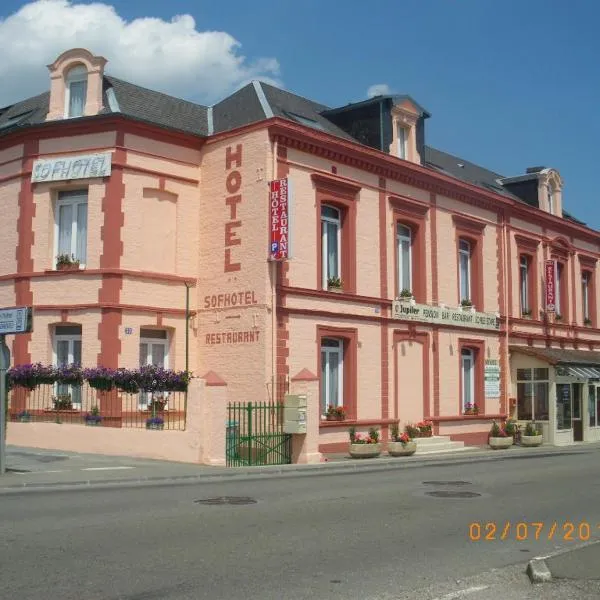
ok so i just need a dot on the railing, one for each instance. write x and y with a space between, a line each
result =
83 404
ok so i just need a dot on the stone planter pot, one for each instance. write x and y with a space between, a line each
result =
155 425
334 418
365 450
498 443
531 440
67 267
400 449
337 290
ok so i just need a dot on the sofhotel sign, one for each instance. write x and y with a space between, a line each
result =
443 316
65 168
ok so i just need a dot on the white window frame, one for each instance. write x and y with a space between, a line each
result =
71 338
467 367
402 133
330 351
464 249
404 237
76 74
585 294
145 399
337 221
75 201
557 294
524 280
551 207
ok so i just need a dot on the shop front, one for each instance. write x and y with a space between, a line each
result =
559 391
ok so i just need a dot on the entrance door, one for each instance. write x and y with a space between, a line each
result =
577 412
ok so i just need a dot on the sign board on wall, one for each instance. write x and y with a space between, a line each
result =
550 284
444 316
64 168
16 320
279 219
492 378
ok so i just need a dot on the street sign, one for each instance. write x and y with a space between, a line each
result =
16 320
12 320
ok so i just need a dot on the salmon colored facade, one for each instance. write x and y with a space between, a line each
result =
177 243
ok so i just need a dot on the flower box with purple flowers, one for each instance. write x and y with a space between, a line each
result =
155 423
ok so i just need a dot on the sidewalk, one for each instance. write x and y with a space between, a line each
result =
38 469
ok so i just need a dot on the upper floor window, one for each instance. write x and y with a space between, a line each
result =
331 229
402 142
524 283
75 92
71 225
464 270
404 246
585 296
558 299
551 207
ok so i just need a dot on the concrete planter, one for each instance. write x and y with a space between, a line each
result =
365 450
498 443
531 440
400 449
156 426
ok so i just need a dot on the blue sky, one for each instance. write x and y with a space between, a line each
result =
509 83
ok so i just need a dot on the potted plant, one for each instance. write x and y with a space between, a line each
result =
498 438
587 322
155 423
24 416
93 418
471 409
100 378
400 445
364 446
62 402
334 284
335 413
526 313
511 427
425 429
412 431
64 262
531 436
467 305
406 296
558 317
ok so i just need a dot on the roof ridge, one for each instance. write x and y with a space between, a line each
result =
324 106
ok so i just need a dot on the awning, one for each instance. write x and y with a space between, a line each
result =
582 372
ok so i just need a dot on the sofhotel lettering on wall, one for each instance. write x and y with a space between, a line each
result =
64 168
233 183
444 316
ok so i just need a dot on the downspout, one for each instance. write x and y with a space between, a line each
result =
507 312
187 347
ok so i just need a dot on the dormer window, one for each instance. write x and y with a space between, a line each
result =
403 142
75 92
551 207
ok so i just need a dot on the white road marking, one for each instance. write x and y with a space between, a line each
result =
40 472
103 468
462 593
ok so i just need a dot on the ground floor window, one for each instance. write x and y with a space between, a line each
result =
593 405
67 351
331 373
563 406
533 394
154 350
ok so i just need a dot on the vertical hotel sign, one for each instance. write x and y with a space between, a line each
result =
550 276
279 219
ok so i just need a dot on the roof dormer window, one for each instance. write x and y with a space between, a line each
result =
75 92
551 207
403 141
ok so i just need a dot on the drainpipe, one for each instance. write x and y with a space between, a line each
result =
187 347
506 241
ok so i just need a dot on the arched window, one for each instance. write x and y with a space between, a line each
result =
75 91
551 207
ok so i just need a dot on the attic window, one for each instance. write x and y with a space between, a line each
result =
75 92
14 120
306 121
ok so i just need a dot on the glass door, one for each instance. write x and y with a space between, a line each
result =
564 407
577 412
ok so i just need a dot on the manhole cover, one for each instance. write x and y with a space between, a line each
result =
226 500
446 483
451 494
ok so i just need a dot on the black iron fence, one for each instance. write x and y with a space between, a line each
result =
82 404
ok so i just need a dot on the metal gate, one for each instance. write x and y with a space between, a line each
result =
254 435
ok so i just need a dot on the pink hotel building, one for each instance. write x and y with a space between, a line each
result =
439 263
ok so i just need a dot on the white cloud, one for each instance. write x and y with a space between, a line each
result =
170 56
379 89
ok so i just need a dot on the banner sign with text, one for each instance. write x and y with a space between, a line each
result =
550 277
444 316
279 205
65 168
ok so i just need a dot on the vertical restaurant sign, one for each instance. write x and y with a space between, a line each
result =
550 276
279 204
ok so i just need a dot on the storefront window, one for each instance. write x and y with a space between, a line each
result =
563 406
532 394
592 405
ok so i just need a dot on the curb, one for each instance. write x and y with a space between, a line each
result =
537 568
281 471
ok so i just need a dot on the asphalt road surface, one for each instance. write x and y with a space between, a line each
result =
374 536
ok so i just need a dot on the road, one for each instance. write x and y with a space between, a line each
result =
374 536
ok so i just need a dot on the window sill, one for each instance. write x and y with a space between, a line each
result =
77 270
479 417
356 423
